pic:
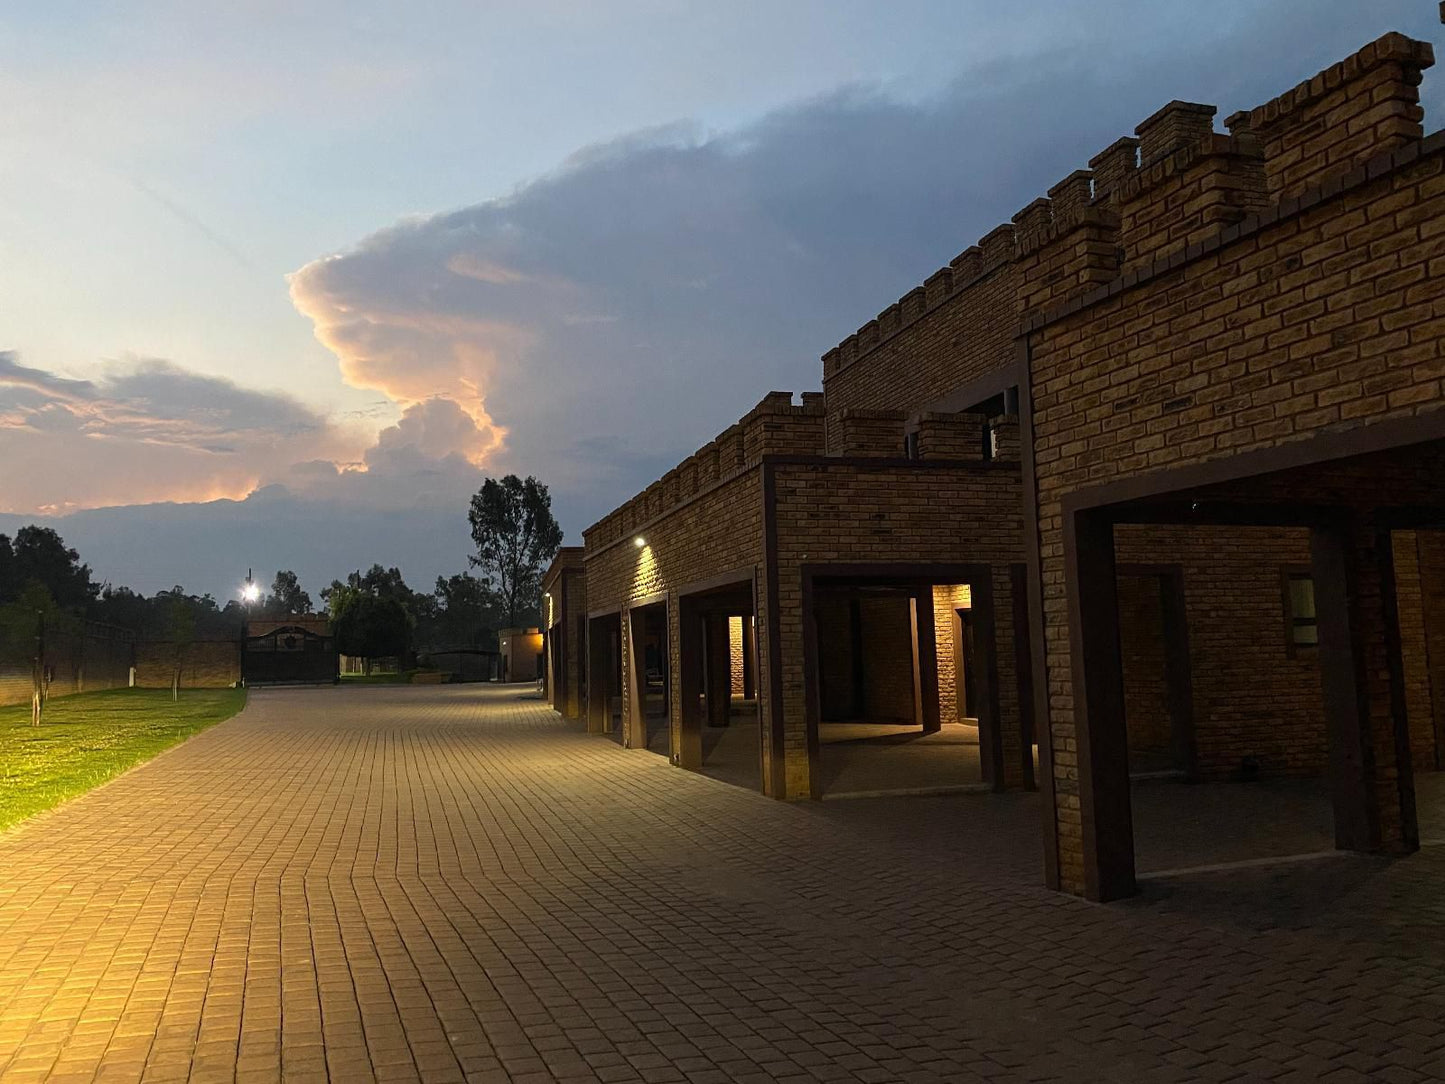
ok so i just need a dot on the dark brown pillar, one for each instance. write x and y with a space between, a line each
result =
1371 783
634 677
1179 673
1333 570
1023 667
925 662
718 689
691 658
750 660
599 684
984 661
1103 757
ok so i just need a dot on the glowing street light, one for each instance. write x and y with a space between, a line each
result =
250 590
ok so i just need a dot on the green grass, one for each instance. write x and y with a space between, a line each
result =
88 739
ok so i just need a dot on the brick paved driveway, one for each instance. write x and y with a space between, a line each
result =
448 884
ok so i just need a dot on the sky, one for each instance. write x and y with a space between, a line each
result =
282 282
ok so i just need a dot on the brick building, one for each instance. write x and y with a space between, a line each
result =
564 631
1148 481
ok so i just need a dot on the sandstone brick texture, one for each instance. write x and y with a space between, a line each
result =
1191 297
1259 703
205 664
1316 312
82 657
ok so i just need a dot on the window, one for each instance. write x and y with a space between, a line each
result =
1301 626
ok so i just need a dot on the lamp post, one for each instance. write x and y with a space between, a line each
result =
249 594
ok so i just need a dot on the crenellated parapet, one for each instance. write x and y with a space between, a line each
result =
1174 184
872 434
1365 105
995 249
955 437
775 426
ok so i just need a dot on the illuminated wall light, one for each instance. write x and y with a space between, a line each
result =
639 541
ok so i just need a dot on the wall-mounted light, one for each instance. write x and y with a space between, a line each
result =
639 541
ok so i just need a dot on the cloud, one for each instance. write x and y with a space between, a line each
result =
148 430
644 295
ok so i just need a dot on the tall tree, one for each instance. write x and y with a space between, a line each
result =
367 624
516 536
40 554
181 629
9 582
286 596
467 612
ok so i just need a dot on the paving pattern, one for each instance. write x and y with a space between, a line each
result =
449 884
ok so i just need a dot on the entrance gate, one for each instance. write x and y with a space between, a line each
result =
289 655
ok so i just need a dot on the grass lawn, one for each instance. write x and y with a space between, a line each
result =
90 738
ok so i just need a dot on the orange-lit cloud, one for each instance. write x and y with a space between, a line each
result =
148 430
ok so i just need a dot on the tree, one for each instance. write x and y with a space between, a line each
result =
516 536
467 611
180 630
367 624
24 623
41 555
286 595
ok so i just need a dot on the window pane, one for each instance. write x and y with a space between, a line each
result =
1302 597
1307 635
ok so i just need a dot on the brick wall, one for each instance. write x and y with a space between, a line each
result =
87 658
948 598
887 627
1252 698
1319 312
564 610
833 612
1141 650
205 664
891 513
958 326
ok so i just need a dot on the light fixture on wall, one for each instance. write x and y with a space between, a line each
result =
639 541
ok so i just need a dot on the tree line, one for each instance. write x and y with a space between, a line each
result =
372 614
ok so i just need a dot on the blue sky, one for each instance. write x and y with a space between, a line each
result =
335 262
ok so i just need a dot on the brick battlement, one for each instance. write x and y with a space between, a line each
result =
1176 183
774 427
